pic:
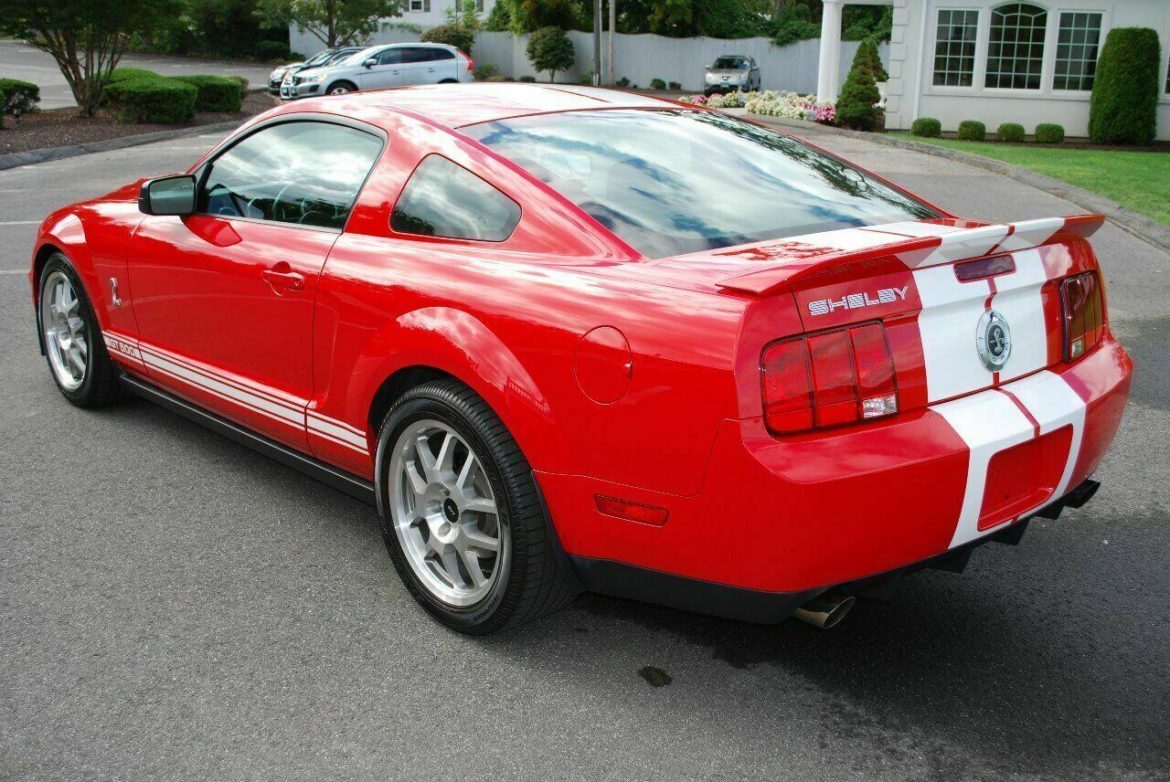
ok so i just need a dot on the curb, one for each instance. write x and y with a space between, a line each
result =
1128 220
29 157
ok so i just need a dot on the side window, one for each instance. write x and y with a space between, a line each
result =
444 199
390 57
442 54
307 173
413 55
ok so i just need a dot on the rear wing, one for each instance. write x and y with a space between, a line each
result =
915 245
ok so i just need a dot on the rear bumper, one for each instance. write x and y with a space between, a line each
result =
797 515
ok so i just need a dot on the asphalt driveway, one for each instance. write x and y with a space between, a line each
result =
173 606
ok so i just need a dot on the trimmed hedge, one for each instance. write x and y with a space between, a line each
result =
24 96
122 74
1124 106
165 101
1010 132
926 127
972 130
240 80
459 37
216 93
1 112
658 84
1049 133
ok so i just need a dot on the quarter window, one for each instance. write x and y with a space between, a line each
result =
306 173
444 199
954 48
1015 50
1076 51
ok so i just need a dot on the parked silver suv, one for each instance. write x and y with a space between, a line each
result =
378 67
320 59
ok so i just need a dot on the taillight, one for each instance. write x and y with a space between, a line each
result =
827 379
1084 314
466 56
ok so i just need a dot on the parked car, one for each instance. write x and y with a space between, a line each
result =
378 67
731 73
561 350
325 57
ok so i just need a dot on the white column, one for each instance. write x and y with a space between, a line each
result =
829 63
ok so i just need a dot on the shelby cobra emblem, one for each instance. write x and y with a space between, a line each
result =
993 339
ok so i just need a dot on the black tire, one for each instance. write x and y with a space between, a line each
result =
536 582
448 81
348 86
100 385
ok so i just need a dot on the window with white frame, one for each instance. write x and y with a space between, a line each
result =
1076 50
954 48
1015 47
420 5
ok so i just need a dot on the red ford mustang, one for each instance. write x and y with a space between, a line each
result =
570 339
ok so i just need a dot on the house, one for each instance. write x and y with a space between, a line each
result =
997 61
431 13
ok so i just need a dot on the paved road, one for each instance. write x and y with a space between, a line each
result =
175 607
18 60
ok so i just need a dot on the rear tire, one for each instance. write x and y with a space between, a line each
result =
471 544
72 339
341 88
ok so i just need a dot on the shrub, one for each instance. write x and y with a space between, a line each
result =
527 79
121 74
1010 132
550 49
452 35
1124 105
1 112
855 104
1049 133
623 82
657 84
486 71
240 80
926 127
868 50
216 93
674 85
972 130
795 24
586 79
496 77
22 96
166 101
272 50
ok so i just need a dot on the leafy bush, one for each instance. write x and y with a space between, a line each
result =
1 112
855 104
496 77
486 71
926 127
623 82
1124 105
868 50
166 101
586 79
452 35
216 93
1049 133
121 74
271 51
23 96
1010 132
527 79
795 24
549 49
240 80
972 130
657 84
674 85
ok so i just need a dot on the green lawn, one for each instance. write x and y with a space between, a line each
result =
1137 180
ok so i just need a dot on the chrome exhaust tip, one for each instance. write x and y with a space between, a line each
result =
825 610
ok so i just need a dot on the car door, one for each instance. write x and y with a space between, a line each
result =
419 65
387 72
224 298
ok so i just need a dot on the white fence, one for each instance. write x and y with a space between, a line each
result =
641 58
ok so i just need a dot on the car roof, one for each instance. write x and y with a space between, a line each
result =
458 105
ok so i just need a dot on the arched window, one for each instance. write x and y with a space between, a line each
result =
1015 50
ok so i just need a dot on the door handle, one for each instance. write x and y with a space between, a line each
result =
282 278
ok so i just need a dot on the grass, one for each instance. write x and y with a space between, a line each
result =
1137 180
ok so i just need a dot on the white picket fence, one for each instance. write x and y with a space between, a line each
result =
640 58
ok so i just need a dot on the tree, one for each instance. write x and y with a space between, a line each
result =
526 16
333 22
868 51
855 104
1123 108
85 38
459 37
550 49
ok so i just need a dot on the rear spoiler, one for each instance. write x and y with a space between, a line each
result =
916 245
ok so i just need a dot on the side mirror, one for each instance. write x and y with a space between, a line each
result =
172 195
370 63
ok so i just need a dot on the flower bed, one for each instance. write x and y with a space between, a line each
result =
772 104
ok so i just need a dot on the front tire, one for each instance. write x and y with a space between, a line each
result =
341 88
72 339
461 514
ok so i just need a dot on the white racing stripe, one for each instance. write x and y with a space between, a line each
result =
947 323
1053 403
1018 299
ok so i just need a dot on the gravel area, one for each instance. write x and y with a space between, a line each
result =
64 127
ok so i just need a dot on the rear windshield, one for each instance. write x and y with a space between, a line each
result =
679 181
729 63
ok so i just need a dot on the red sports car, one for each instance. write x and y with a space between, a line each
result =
570 339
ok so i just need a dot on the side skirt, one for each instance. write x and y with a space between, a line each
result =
331 476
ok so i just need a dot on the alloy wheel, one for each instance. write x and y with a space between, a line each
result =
66 332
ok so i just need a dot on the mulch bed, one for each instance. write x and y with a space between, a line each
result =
65 127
